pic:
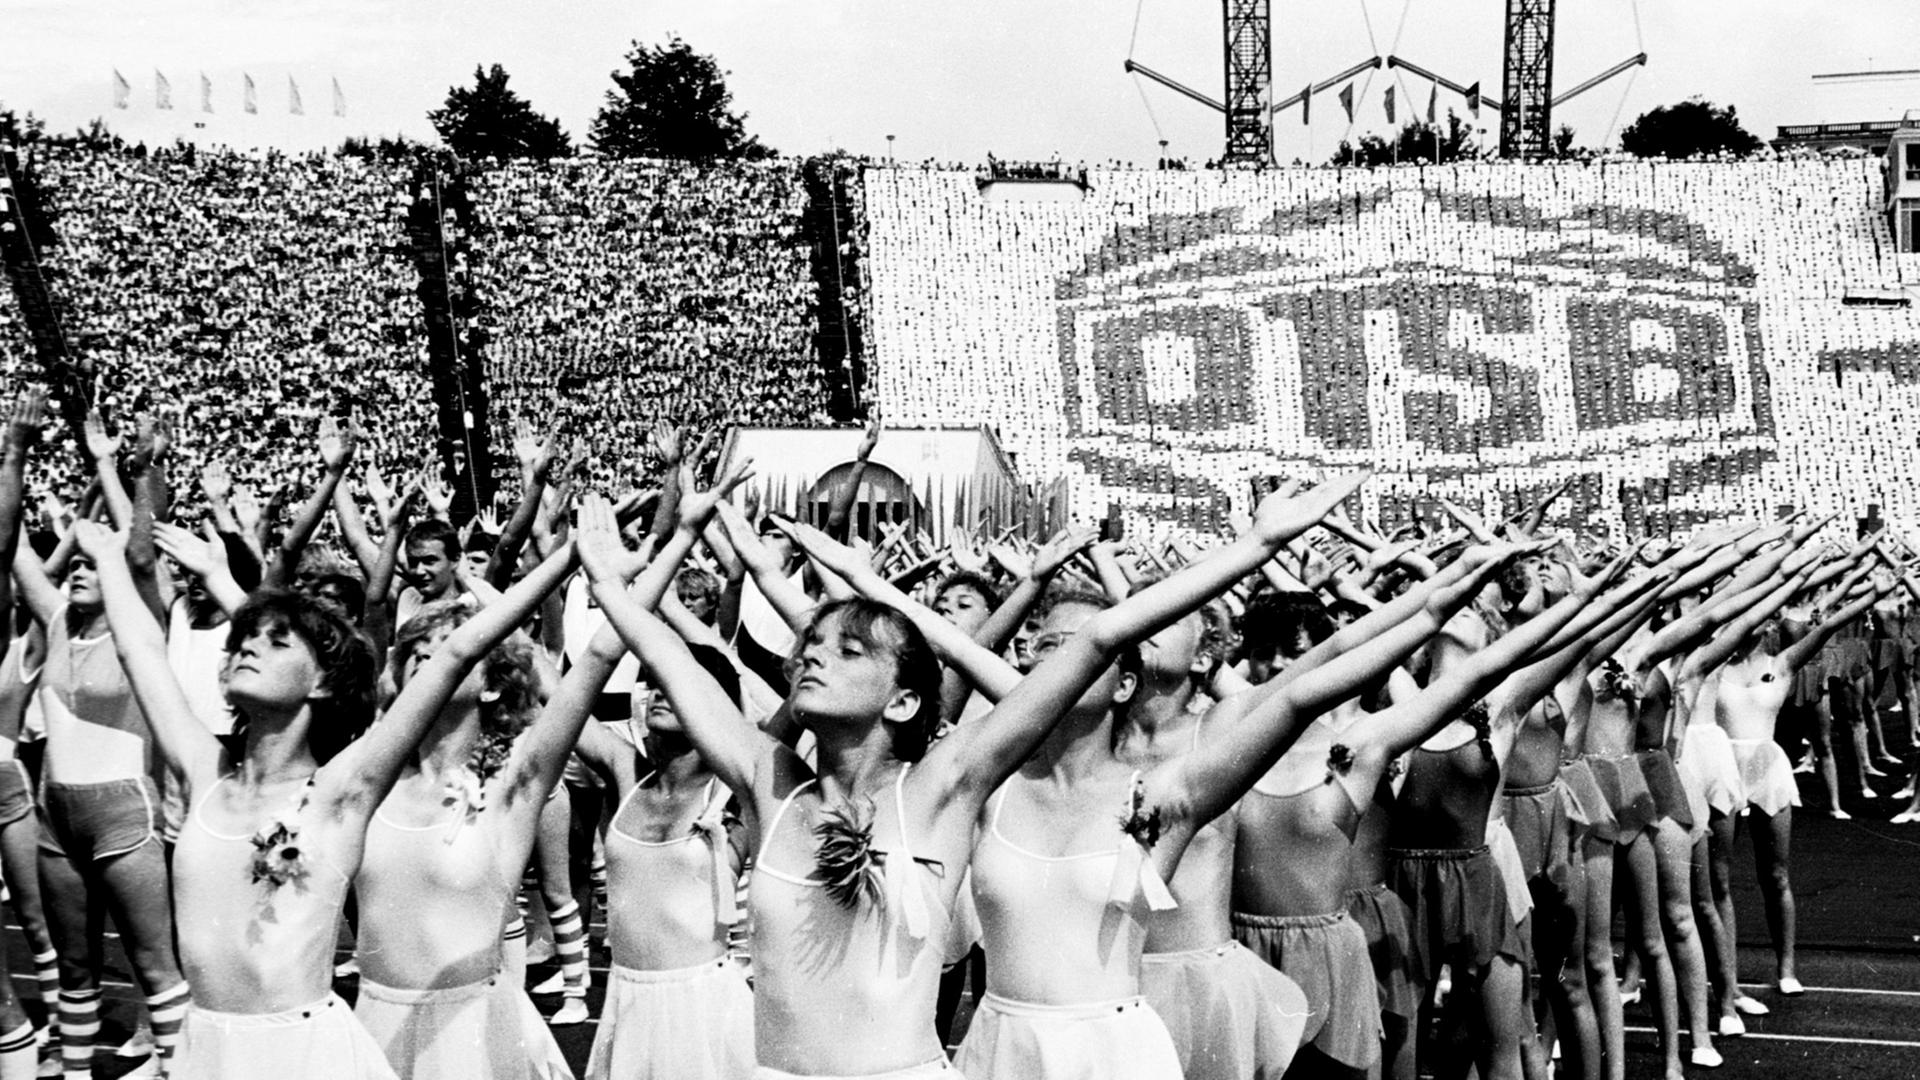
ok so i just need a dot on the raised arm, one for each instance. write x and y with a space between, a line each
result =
142 646
353 529
842 506
729 745
204 558
535 474
1047 562
104 449
336 453
362 774
787 598
23 427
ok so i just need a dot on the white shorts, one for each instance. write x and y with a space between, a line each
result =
1231 1016
1108 1040
694 1023
488 1030
323 1041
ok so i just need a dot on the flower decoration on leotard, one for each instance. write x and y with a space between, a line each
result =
1613 681
1340 759
1143 825
467 789
276 846
1482 727
848 866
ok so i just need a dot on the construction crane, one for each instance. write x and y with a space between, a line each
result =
1525 106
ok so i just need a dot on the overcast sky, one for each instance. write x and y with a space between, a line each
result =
953 80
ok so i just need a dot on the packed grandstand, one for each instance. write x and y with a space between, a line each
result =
1669 336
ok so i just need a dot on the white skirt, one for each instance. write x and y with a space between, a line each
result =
1767 774
938 1069
487 1030
1710 775
694 1023
323 1041
1108 1040
1231 1016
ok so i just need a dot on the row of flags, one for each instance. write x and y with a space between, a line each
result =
1387 99
249 99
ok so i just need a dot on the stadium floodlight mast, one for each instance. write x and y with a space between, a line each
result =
1526 103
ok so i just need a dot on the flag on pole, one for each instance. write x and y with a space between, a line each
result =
162 91
339 100
1346 101
121 89
293 98
1433 103
206 93
1306 104
249 100
1473 100
1387 99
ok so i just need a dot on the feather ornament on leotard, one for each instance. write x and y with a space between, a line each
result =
848 867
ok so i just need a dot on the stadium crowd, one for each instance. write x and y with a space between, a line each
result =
254 294
626 293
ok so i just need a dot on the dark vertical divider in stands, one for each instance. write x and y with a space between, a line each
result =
32 232
833 233
440 223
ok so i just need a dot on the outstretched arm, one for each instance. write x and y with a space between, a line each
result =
1214 776
1404 726
1795 656
993 676
1729 639
982 755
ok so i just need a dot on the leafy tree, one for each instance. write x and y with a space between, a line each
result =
1691 128
385 148
490 120
1563 141
95 135
1415 142
672 102
20 128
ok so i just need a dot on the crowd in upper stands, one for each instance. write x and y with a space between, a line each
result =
257 293
621 294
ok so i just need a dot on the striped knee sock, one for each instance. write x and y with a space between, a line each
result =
598 874
529 883
79 1014
168 1011
19 1054
46 972
570 946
